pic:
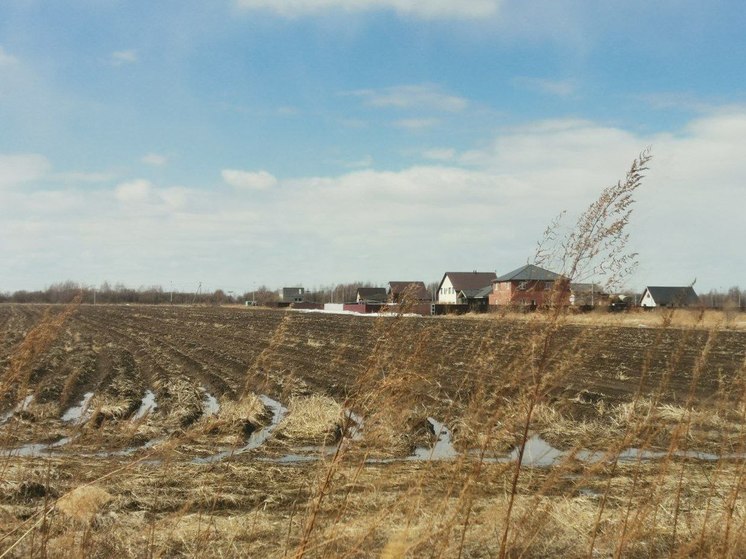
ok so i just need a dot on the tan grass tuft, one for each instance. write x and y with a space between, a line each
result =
83 503
316 419
396 547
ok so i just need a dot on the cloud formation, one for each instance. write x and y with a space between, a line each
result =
135 191
155 159
18 169
248 180
430 9
485 209
420 97
558 88
120 57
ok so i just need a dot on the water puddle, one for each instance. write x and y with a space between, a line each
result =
19 407
442 449
256 439
354 425
37 449
304 454
210 405
131 449
639 454
77 413
540 453
147 406
537 453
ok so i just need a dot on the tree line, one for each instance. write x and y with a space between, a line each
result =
62 293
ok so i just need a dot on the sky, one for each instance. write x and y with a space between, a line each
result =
240 143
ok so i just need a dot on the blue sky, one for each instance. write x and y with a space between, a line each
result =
246 142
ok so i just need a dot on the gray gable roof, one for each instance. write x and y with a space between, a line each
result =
529 272
673 295
481 293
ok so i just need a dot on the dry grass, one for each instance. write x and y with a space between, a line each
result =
82 504
636 318
312 420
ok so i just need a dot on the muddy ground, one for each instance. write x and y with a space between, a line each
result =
214 421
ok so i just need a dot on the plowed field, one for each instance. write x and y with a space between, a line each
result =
199 423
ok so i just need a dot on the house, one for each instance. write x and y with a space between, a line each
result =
459 287
477 300
588 295
530 286
667 296
414 291
371 295
292 294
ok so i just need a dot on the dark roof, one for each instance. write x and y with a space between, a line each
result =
418 291
469 280
371 293
529 272
481 293
673 295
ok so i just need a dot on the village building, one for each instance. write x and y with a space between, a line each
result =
530 287
669 296
414 291
460 287
371 295
293 294
588 295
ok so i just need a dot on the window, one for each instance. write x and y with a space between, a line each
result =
522 286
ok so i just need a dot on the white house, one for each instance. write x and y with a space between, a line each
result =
454 283
666 296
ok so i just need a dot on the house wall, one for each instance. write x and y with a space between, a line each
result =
363 308
524 293
647 300
447 293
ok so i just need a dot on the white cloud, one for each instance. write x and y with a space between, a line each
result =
121 57
155 159
439 154
86 177
247 180
416 123
378 225
430 9
135 191
420 97
7 59
18 169
558 88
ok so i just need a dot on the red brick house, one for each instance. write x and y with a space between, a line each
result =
530 286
